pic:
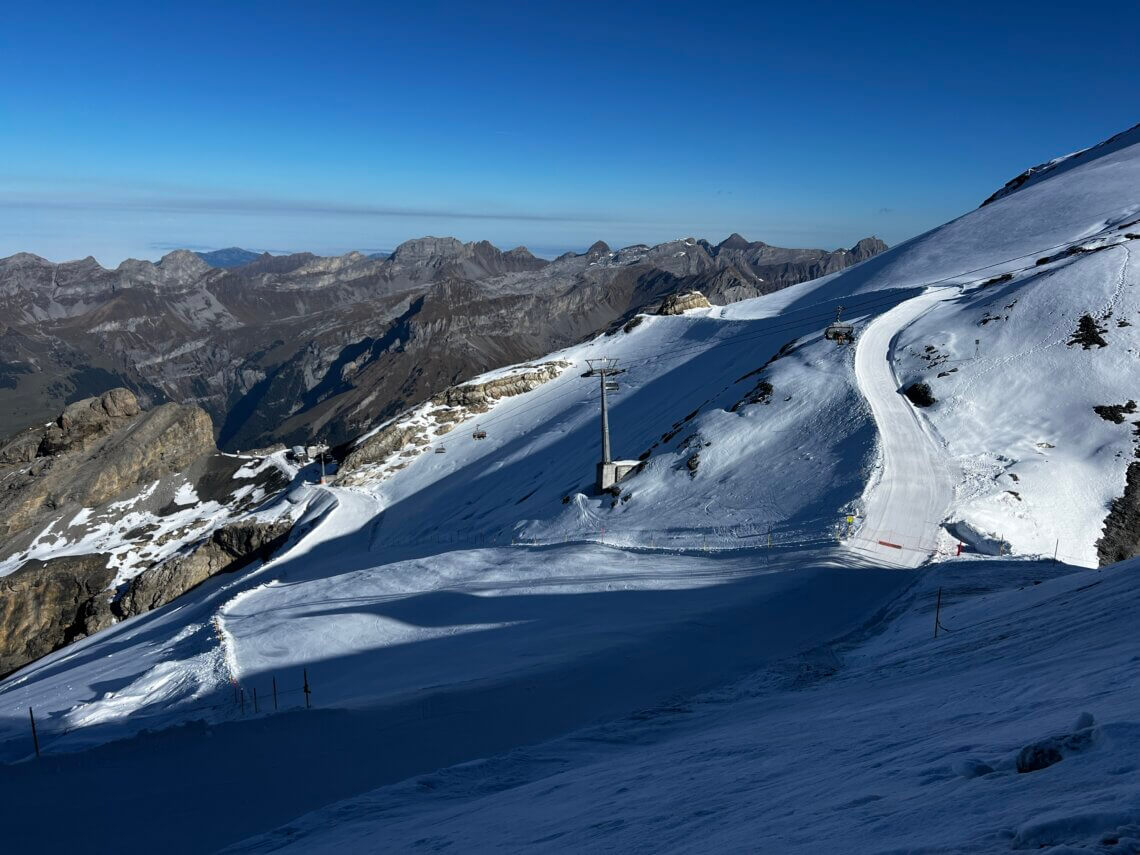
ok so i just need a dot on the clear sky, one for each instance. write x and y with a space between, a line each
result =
129 128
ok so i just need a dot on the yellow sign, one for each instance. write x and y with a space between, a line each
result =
850 519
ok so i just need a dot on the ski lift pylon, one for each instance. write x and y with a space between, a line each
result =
839 332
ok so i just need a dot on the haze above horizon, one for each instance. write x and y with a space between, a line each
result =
129 129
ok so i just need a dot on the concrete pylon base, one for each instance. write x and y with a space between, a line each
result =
610 473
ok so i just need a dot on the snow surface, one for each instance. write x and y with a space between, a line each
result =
484 599
908 495
892 742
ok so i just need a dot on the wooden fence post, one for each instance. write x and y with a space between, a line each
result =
275 694
308 691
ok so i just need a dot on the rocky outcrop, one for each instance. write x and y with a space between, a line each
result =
866 248
1120 539
678 304
410 433
477 397
95 450
142 485
45 605
226 550
83 422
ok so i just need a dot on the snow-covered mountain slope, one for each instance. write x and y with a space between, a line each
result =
1005 289
449 578
1015 729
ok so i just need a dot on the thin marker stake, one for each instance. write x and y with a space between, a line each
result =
938 613
35 738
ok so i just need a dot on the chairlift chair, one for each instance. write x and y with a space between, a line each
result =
611 385
441 450
838 332
479 433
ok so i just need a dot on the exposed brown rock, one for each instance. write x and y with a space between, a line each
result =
227 549
95 451
47 604
85 421
461 402
678 304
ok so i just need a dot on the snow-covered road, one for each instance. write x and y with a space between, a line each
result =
907 497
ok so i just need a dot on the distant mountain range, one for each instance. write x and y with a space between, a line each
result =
292 347
233 256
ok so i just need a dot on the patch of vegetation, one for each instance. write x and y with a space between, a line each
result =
997 280
920 394
1115 413
1089 334
761 394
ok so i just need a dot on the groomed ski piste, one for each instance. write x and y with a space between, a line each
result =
713 657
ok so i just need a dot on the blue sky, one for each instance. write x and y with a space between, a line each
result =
128 128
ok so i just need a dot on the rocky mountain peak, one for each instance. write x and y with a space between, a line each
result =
420 250
599 247
23 259
87 263
868 247
734 241
182 263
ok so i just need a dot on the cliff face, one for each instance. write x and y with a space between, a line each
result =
95 450
111 510
47 604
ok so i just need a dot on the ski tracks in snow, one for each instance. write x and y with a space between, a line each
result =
350 513
904 505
